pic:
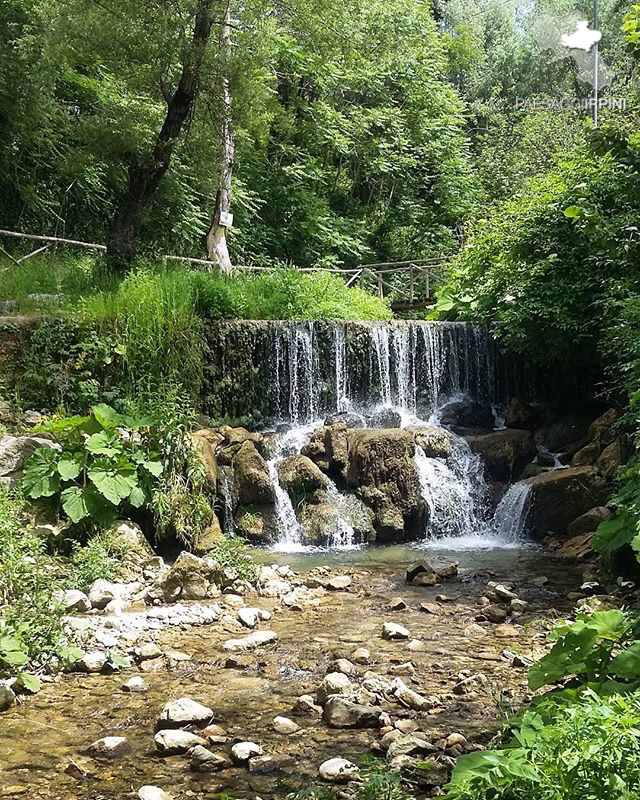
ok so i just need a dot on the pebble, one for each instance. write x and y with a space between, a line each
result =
243 751
455 740
174 742
361 656
397 604
153 793
342 665
203 760
391 630
109 747
185 711
338 770
135 684
148 651
250 642
284 725
305 704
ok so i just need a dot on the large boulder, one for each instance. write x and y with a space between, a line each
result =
256 524
561 495
328 447
467 414
505 453
589 521
613 457
559 436
14 452
303 480
251 478
130 533
190 578
350 419
521 415
436 442
382 468
205 442
386 418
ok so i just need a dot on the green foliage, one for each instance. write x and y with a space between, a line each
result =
103 469
589 750
598 650
102 557
232 553
631 28
378 784
31 635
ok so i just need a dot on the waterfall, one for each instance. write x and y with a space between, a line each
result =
453 490
381 352
341 374
510 518
226 490
288 526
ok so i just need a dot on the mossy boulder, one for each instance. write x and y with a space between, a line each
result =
504 453
436 442
251 477
302 479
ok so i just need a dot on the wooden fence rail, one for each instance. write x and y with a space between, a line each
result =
408 285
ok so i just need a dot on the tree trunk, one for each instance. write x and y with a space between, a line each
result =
217 235
144 175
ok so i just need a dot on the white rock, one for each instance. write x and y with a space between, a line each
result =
333 683
416 646
250 617
233 600
173 742
338 770
203 760
103 592
185 711
109 747
275 588
135 685
148 651
408 697
243 751
284 725
361 656
92 661
343 665
305 704
391 630
250 642
73 600
153 793
339 583
455 740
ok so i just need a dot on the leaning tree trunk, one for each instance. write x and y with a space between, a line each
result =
145 174
217 235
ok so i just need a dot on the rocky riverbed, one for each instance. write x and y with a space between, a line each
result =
284 677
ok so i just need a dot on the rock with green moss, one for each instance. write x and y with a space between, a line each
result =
302 479
251 477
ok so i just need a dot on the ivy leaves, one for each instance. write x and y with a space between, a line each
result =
102 465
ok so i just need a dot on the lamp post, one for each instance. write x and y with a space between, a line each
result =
596 64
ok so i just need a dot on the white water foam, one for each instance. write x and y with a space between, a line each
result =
510 519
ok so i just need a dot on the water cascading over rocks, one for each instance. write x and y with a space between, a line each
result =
319 384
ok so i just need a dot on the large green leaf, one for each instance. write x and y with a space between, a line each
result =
627 663
85 502
154 467
113 482
69 468
612 534
107 416
28 682
41 478
137 498
104 443
567 657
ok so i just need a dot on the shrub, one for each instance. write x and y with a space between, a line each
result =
103 469
589 750
233 553
101 557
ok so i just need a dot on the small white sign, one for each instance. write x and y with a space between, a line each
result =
226 219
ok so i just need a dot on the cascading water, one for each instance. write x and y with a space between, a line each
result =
510 519
413 368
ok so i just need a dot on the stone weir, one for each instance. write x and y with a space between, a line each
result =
260 372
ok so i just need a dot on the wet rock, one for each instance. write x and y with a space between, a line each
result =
432 774
578 547
203 760
342 713
249 617
284 725
347 418
338 770
175 742
436 442
92 661
135 684
109 747
495 613
275 588
589 521
467 414
410 744
587 455
407 697
339 583
153 793
448 572
385 418
335 683
185 711
559 496
344 666
361 655
504 453
422 574
518 606
148 651
305 704
73 600
243 751
7 698
251 642
301 479
521 415
251 478
391 630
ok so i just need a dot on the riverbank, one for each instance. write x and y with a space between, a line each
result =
471 670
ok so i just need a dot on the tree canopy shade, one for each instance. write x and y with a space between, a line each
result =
349 140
